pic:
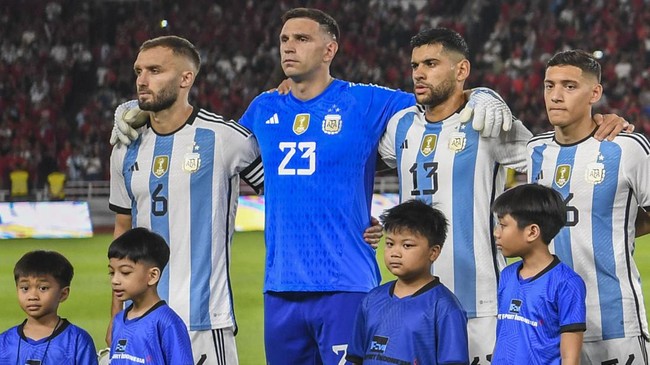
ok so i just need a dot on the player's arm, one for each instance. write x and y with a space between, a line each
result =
642 223
122 224
610 125
570 347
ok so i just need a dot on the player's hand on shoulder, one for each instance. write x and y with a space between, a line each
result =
127 119
372 235
487 111
610 125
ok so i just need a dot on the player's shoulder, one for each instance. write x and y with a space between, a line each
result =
541 138
636 142
209 120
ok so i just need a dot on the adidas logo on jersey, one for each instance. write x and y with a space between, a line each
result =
273 119
404 145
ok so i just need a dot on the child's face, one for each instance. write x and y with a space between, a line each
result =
510 238
408 255
39 296
130 280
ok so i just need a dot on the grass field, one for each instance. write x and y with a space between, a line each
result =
88 305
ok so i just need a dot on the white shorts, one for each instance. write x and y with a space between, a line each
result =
621 351
481 335
214 347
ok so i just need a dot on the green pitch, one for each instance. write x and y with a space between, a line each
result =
88 305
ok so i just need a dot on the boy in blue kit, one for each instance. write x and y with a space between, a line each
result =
541 301
43 282
415 319
147 331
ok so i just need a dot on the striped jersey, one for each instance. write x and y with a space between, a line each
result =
534 312
449 165
184 186
603 185
319 163
157 337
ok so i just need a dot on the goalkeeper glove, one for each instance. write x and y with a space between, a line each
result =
488 112
128 118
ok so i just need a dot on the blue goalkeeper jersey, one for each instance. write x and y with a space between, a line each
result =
69 345
157 337
319 164
428 327
534 312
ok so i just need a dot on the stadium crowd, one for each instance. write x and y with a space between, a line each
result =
65 65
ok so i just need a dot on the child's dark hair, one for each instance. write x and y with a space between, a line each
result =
418 217
140 244
40 262
533 204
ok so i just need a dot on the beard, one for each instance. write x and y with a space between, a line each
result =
438 94
161 101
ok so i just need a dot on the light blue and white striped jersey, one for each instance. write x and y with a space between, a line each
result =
449 165
319 162
603 185
184 186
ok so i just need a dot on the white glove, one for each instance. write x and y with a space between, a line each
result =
487 111
128 118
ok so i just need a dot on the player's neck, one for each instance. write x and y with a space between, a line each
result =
307 88
38 328
407 287
143 303
574 132
171 119
442 111
535 261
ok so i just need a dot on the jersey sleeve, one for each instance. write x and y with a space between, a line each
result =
572 310
510 148
387 143
85 353
119 200
638 169
356 346
243 154
176 343
451 329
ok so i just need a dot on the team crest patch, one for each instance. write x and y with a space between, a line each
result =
515 306
192 162
457 141
332 124
595 173
428 144
121 345
379 344
301 123
160 165
562 175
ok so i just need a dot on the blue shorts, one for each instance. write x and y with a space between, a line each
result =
308 327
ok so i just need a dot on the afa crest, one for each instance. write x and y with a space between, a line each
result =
562 175
160 166
192 162
428 144
595 173
457 141
332 124
301 123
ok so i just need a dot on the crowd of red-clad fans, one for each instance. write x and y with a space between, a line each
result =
65 65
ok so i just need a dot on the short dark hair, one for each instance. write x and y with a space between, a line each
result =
178 45
578 58
325 20
418 217
43 262
533 204
140 244
449 39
